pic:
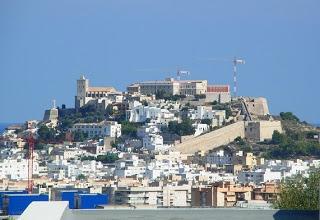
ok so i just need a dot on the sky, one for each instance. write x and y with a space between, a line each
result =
46 45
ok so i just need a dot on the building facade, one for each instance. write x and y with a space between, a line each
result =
101 129
169 86
218 93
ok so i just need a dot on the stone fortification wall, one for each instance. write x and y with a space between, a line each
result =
212 139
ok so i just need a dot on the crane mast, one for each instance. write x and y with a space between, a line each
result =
30 141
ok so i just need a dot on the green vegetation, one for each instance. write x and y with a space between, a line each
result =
163 95
243 145
46 135
183 128
81 177
297 140
129 128
289 116
300 193
107 158
79 136
207 121
199 96
278 138
86 114
292 145
239 141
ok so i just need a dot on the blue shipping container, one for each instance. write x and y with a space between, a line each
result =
69 195
16 204
91 201
3 192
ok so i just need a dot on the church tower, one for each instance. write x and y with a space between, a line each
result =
82 88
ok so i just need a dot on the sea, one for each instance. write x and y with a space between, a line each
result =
3 126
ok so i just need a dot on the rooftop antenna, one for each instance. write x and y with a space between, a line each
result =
235 62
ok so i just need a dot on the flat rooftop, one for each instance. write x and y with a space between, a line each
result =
60 210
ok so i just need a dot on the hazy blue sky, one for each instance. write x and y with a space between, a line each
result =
46 45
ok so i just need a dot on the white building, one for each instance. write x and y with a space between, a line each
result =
17 169
205 112
200 129
154 142
140 113
101 129
259 176
147 129
157 196
219 157
130 166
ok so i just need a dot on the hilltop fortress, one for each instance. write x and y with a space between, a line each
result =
250 116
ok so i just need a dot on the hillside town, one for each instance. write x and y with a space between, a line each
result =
160 143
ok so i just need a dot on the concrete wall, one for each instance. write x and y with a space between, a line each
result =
212 139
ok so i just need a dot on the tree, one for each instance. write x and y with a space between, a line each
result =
87 109
206 121
300 193
46 134
65 124
79 136
87 158
81 177
129 128
183 128
160 94
200 96
108 158
278 138
239 141
293 144
289 116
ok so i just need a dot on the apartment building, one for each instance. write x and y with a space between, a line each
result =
157 196
153 142
101 129
141 113
259 176
16 169
217 117
222 194
130 166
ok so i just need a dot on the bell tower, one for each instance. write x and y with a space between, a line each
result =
82 88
